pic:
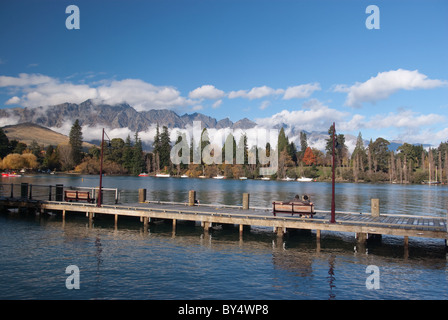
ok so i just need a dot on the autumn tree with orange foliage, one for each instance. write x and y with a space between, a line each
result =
309 158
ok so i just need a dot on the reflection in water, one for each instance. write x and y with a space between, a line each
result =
133 263
136 263
331 278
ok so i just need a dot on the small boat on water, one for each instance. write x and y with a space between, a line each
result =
184 176
10 174
243 178
219 177
266 178
143 174
431 182
163 175
288 179
303 179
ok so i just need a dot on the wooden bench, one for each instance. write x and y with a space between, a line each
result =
302 208
75 195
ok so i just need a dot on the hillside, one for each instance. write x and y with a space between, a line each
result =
27 132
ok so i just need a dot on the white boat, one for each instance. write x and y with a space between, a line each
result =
243 178
202 177
219 177
288 179
303 179
184 176
163 175
265 178
143 174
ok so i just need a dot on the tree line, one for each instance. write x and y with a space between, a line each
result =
372 163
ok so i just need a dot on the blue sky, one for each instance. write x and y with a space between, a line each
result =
299 62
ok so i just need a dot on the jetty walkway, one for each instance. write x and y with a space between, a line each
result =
364 225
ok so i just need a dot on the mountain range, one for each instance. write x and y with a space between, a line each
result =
97 115
115 116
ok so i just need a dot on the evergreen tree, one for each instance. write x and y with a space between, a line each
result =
379 151
231 144
243 151
127 154
165 148
138 161
283 140
341 149
156 143
205 141
75 141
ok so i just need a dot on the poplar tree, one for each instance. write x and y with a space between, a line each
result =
165 148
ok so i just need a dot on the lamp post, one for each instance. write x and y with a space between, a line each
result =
333 206
101 169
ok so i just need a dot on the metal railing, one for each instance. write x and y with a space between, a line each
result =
54 192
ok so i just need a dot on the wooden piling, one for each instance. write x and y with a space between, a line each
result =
191 198
361 237
280 231
141 195
206 225
406 241
245 201
375 207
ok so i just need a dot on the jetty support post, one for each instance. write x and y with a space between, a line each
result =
206 225
280 231
246 201
141 195
375 212
191 198
375 207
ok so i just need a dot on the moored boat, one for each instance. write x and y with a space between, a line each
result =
163 175
10 174
303 179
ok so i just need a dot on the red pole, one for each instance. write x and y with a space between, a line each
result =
101 172
333 220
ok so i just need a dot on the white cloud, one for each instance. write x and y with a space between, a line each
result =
301 91
314 116
255 93
24 80
404 119
264 104
141 95
39 90
385 84
217 104
206 92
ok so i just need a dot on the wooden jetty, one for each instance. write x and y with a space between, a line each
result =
364 225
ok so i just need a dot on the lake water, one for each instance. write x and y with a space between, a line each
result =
130 262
